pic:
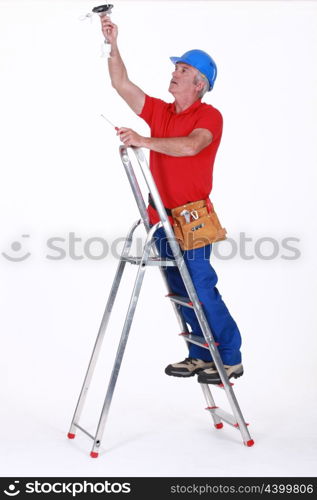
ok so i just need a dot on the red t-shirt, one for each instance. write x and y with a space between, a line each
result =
184 178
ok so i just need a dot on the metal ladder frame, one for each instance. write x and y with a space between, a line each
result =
218 415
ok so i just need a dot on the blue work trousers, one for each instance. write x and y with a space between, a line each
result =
204 277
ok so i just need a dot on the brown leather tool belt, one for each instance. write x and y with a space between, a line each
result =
196 224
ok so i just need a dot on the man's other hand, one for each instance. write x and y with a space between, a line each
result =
130 138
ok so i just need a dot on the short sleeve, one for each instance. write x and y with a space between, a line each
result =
151 106
211 119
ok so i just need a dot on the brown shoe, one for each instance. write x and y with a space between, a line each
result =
188 367
211 376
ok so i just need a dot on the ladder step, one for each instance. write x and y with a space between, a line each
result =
223 415
183 301
152 261
196 339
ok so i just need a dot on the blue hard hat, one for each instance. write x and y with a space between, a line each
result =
201 61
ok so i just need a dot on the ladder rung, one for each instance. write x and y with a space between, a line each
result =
184 301
83 430
152 261
196 339
223 415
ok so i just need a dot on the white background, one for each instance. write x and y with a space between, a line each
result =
61 173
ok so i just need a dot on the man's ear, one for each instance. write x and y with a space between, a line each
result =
199 86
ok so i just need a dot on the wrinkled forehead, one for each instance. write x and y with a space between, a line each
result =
187 66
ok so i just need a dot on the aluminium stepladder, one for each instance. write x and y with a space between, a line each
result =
150 257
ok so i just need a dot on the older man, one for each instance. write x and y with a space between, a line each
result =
185 136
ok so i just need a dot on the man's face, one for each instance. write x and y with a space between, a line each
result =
182 82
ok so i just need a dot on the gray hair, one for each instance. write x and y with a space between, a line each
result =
201 78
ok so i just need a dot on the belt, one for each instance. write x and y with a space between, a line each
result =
151 202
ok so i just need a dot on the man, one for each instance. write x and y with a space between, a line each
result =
185 136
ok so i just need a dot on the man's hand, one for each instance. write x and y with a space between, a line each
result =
130 138
109 29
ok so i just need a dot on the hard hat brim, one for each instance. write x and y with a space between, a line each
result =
179 59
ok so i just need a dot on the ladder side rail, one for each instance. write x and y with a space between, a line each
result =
191 291
102 329
143 211
210 403
135 186
176 252
123 339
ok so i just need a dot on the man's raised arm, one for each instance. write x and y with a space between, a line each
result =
132 94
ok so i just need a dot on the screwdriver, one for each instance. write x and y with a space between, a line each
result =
110 123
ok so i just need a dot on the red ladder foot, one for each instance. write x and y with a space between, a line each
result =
219 426
70 435
249 443
94 454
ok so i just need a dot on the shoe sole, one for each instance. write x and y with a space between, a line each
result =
183 374
218 381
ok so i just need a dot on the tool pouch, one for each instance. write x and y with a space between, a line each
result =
196 225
